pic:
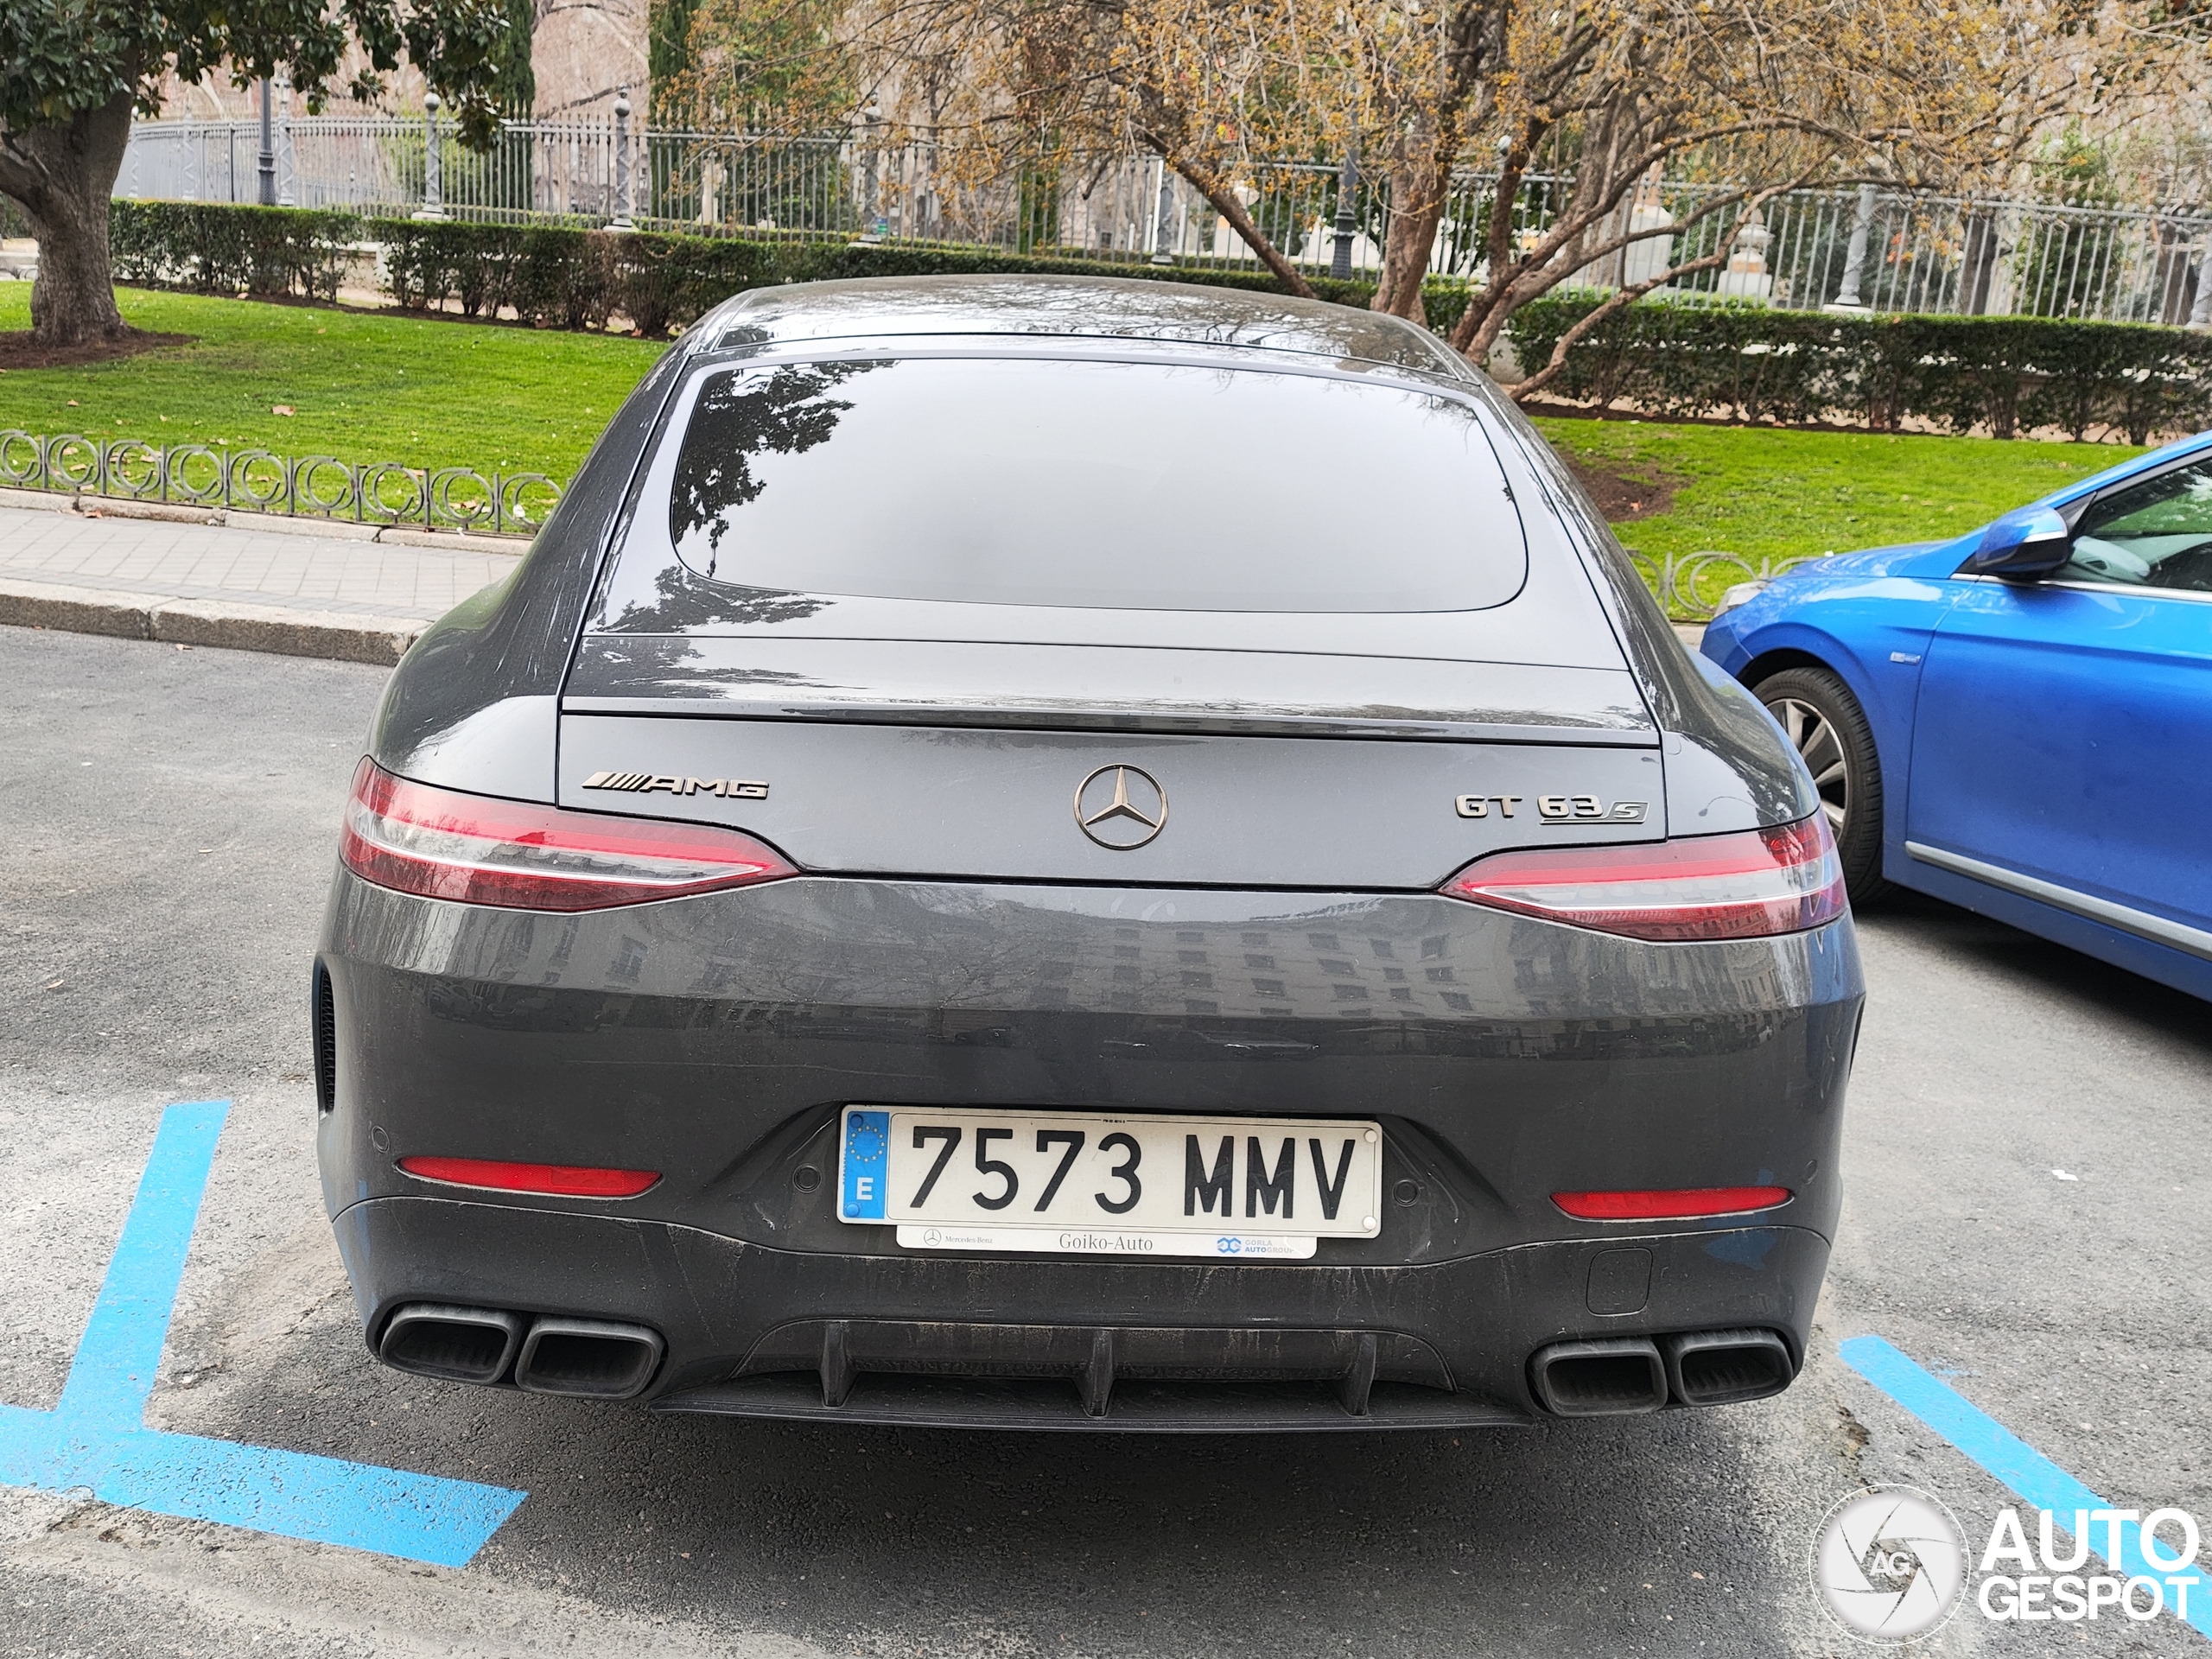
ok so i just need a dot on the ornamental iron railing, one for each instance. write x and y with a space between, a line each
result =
1863 249
259 480
1692 586
1686 585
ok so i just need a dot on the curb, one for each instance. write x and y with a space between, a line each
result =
336 529
284 631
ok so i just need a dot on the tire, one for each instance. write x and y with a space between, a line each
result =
1825 724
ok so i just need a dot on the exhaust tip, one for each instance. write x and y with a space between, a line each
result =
1618 1376
460 1345
1725 1368
592 1359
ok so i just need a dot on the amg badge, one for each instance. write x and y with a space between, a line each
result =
644 782
1554 809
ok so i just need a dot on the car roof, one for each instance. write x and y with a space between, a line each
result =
1072 307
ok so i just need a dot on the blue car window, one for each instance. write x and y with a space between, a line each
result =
2157 534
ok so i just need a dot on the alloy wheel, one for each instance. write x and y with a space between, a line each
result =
1814 737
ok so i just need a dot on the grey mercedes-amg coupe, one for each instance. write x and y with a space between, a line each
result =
1037 852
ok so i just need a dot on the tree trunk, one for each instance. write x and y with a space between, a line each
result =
62 177
1420 189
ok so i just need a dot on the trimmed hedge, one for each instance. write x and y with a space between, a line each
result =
557 278
1747 362
2001 375
216 248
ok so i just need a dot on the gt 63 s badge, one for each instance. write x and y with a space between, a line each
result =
1554 809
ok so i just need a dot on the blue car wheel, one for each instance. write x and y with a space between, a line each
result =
1828 729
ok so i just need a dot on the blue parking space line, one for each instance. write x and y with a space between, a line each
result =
120 1348
2033 1477
95 1440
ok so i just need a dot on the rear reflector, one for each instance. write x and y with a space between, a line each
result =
562 1180
472 848
1677 1204
1746 886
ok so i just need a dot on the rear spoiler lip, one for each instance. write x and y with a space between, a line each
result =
1020 685
1405 728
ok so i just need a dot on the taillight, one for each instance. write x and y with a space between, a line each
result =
1671 1203
443 845
1745 886
556 1180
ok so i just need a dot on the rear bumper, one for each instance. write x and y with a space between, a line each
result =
997 1342
713 1039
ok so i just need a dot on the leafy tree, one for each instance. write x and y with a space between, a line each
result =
72 71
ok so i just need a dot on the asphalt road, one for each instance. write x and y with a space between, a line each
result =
167 824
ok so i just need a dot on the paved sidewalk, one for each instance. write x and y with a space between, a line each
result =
258 588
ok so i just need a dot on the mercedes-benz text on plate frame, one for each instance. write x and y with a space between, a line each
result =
1090 1184
1121 807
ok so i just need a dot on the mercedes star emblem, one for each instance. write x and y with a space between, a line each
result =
1121 808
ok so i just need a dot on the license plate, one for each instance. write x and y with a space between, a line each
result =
1087 1183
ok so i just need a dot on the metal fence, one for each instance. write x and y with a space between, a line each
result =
1865 248
257 481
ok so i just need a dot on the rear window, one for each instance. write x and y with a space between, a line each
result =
1144 487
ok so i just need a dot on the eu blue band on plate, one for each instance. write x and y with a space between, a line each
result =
864 1166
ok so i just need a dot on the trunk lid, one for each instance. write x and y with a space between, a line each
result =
1128 764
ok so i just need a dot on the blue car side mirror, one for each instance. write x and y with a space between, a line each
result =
2031 542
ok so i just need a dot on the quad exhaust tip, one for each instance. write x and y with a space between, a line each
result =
460 1344
1615 1376
1724 1368
592 1359
1625 1377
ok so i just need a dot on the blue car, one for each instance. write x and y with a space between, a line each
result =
2019 721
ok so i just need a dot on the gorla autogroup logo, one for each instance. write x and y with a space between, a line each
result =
1890 1563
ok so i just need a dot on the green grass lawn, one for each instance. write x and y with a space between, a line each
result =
366 387
1760 492
389 387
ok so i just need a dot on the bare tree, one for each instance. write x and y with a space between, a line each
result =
1207 86
1760 96
1752 97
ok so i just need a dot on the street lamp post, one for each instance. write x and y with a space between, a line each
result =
1347 224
